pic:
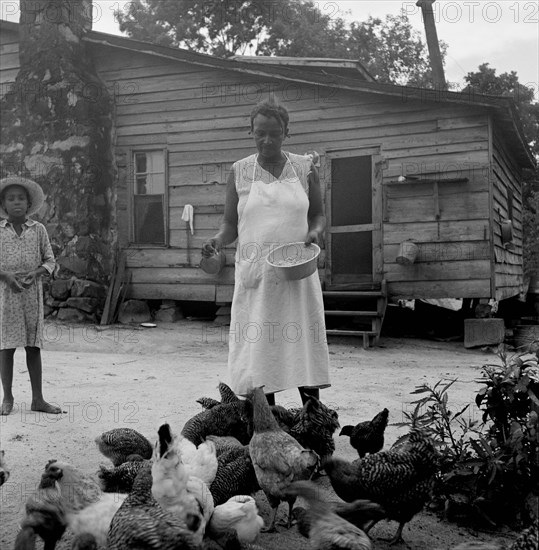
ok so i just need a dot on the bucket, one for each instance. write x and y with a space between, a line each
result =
526 336
408 252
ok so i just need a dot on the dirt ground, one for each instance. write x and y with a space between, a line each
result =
140 378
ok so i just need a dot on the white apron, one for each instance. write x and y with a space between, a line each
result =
277 332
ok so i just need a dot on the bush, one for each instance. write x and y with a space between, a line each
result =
489 471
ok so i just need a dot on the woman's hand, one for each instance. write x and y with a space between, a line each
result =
211 247
12 282
27 279
312 237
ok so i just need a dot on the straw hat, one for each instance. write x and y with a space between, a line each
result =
37 197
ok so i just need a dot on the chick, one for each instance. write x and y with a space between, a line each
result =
118 444
239 513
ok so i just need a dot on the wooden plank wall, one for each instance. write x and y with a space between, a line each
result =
508 267
9 55
201 117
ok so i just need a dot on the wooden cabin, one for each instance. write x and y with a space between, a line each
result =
441 170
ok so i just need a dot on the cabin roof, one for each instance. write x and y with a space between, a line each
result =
302 71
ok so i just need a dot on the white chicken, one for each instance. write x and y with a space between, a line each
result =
184 495
199 461
239 513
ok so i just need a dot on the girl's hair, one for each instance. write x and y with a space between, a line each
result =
4 191
270 108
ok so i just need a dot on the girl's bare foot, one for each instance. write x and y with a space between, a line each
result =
42 406
7 407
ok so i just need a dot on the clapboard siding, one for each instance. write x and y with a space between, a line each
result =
200 116
508 268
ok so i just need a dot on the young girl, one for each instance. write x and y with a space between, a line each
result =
25 255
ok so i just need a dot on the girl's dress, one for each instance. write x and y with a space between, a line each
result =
277 332
21 314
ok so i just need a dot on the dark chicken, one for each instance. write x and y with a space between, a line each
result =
368 437
400 480
118 444
120 479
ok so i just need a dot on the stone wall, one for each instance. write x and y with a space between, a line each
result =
56 129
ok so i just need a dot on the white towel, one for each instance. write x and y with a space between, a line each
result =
187 215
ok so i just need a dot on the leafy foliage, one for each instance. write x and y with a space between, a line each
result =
391 49
491 469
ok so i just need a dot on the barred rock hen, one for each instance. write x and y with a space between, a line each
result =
231 419
277 457
399 479
118 444
120 479
235 475
528 539
328 531
368 437
142 524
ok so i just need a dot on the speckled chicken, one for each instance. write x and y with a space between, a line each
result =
399 479
277 457
142 524
528 539
120 479
235 475
368 437
226 419
118 444
328 531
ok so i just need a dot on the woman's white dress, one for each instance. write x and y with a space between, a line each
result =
277 332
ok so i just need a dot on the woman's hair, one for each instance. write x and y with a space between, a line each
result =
270 108
4 191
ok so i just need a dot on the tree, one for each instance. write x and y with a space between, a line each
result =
506 84
391 49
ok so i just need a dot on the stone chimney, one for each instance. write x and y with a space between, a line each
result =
435 56
56 129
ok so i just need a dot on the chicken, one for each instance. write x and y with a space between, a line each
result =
120 479
119 443
224 443
142 524
528 539
277 457
314 426
367 437
239 513
235 475
226 419
175 489
85 541
199 461
400 480
360 513
328 531
208 402
67 498
4 470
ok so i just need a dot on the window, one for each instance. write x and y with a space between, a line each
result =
149 201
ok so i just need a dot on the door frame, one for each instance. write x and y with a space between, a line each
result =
377 163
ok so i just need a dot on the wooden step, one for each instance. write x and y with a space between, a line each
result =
352 293
353 313
337 332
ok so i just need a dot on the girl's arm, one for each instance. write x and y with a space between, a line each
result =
46 253
316 216
228 232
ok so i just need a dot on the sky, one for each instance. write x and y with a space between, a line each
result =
504 33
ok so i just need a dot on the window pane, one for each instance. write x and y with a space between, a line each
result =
155 184
141 187
149 219
140 163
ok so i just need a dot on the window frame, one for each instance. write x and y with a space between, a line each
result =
132 188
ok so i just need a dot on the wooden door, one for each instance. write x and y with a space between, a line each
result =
353 210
